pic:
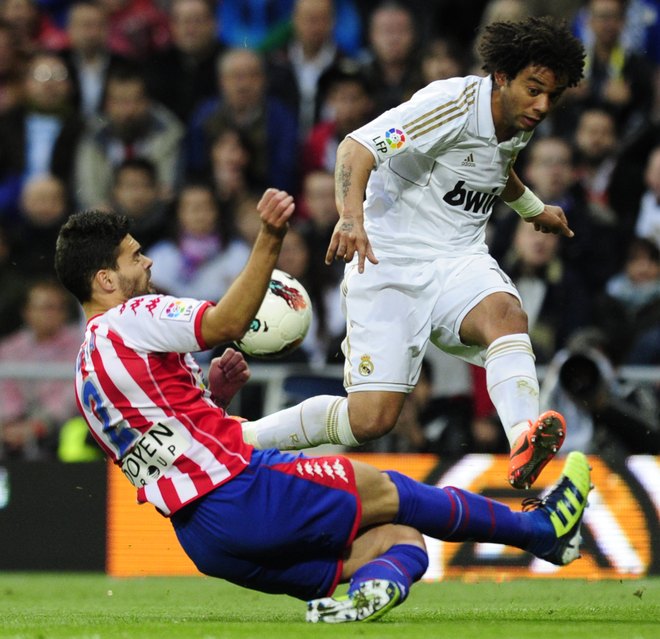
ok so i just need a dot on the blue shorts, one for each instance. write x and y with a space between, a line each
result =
281 526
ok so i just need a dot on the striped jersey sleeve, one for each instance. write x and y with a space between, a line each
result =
427 123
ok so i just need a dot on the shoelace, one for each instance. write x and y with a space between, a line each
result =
532 503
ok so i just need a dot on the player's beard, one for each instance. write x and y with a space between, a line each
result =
135 287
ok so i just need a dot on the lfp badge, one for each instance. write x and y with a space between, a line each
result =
395 138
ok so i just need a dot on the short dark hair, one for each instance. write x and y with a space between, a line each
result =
88 242
509 47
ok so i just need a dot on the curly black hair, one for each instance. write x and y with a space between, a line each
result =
509 47
88 242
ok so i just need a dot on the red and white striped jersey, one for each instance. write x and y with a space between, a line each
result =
146 402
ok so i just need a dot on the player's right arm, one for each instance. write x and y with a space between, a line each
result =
230 318
352 170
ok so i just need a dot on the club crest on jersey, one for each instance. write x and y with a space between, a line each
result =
366 366
178 311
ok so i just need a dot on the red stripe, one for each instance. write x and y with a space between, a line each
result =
116 397
452 513
198 325
203 483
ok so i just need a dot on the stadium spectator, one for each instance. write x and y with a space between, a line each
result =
392 67
138 28
443 58
349 106
39 135
553 294
34 29
256 24
269 125
183 75
265 520
615 78
203 257
132 125
88 57
647 223
44 206
629 311
12 67
232 172
136 193
32 411
596 143
12 284
296 70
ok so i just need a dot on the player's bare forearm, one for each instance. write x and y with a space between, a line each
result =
352 170
514 187
231 316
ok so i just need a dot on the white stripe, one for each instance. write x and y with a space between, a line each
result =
610 537
646 470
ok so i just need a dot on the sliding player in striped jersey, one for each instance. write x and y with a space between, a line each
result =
266 520
418 267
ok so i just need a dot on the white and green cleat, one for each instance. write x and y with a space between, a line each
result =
371 601
565 505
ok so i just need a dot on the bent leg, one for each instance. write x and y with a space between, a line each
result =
327 419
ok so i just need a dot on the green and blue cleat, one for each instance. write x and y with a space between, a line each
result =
370 601
564 505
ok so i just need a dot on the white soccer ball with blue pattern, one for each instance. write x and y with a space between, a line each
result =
282 321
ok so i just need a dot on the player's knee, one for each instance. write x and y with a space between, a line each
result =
373 415
397 534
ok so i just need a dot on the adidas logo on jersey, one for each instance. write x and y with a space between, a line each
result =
468 161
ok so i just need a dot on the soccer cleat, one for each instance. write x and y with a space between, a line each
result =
535 448
370 601
565 505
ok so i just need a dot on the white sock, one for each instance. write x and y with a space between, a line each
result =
318 420
512 382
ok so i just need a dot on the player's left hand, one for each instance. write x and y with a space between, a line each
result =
228 373
552 220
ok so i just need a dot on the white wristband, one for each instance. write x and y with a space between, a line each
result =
527 205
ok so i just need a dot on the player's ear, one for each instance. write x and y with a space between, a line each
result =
104 281
500 79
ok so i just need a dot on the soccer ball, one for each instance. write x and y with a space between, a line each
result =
281 322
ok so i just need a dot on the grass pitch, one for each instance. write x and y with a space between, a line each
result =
84 606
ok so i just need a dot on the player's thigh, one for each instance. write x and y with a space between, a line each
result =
388 310
282 525
468 281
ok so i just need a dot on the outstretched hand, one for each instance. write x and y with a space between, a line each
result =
552 220
228 373
349 238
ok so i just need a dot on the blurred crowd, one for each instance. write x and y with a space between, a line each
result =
179 113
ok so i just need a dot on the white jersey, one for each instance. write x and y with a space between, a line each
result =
146 402
439 169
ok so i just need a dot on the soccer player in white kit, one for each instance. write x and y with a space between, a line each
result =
418 268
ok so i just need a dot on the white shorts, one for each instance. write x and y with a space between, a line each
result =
396 307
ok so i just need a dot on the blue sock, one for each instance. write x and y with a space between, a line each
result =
404 564
453 514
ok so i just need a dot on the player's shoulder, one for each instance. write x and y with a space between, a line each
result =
450 89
